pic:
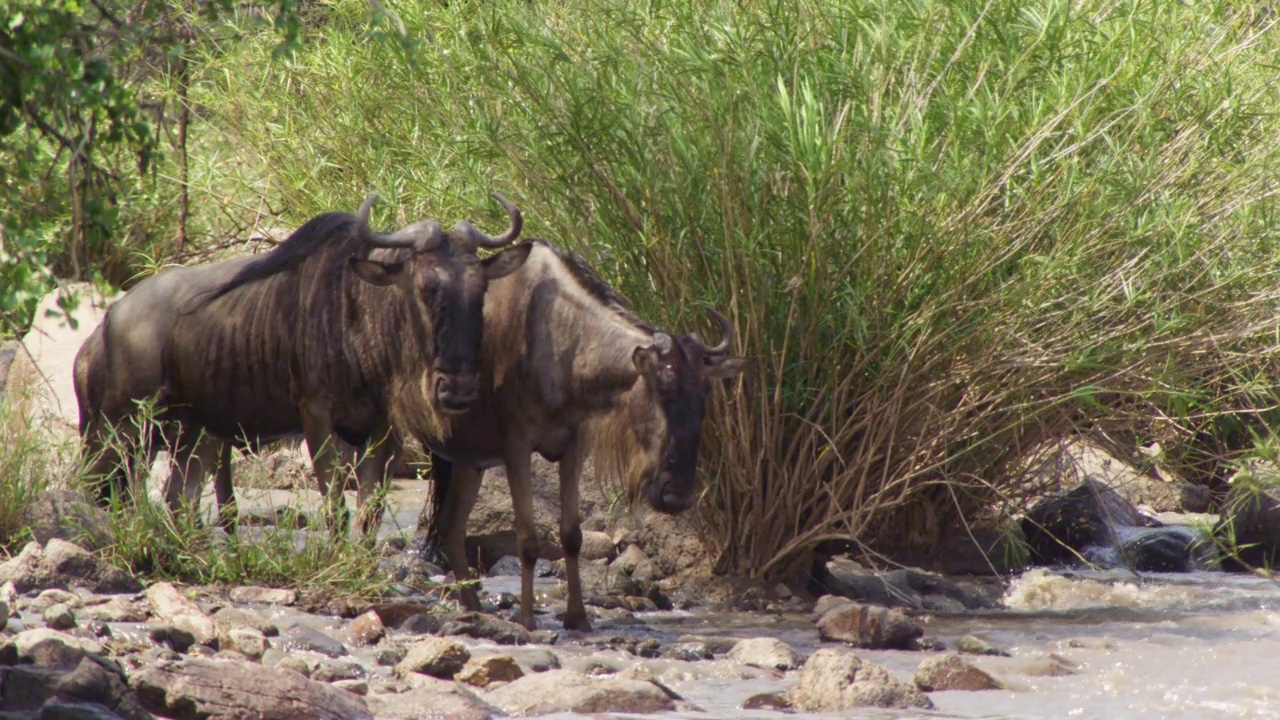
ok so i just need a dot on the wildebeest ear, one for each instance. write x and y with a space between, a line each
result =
507 261
376 273
645 358
727 368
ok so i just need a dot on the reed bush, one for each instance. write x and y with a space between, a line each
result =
948 231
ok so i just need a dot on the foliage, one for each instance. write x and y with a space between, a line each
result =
88 93
948 231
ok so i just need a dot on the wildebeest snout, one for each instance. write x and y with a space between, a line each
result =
668 495
456 392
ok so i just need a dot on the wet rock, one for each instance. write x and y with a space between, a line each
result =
439 657
431 700
557 691
845 577
716 644
321 602
1059 528
1163 549
268 596
869 627
112 610
1088 643
689 651
61 564
53 649
175 638
942 604
767 701
355 687
8 651
50 597
1047 665
534 659
177 610
394 614
247 641
544 637
90 681
486 627
952 672
67 515
4 614
639 604
390 653
326 670
422 624
301 637
835 681
766 652
218 689
76 711
232 618
294 663
366 629
1249 529
974 645
59 617
483 672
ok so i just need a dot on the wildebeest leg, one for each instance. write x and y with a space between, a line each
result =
104 462
575 615
427 543
317 427
228 513
518 480
371 472
194 454
464 488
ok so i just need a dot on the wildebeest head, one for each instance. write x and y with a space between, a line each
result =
666 418
444 282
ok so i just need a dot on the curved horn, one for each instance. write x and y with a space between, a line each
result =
362 218
479 239
723 347
663 342
422 236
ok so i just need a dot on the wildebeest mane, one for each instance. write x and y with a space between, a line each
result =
333 229
596 286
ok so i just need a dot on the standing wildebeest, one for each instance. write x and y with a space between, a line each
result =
334 333
568 371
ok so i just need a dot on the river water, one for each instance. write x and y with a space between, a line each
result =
1098 645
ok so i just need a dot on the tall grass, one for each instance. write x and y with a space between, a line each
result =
948 231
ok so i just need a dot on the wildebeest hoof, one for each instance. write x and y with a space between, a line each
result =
578 622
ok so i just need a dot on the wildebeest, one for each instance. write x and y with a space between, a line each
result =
569 372
335 333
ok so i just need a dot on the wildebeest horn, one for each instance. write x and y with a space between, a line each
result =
479 239
422 236
723 347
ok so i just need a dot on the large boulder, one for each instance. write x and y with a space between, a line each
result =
902 587
869 627
565 691
836 681
952 672
432 699
1249 529
196 687
67 515
60 564
1093 523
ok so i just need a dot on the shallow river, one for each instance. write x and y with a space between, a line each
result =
1083 644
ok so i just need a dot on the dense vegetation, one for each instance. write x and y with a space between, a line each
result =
948 231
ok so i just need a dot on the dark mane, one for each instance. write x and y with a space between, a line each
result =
329 229
597 287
